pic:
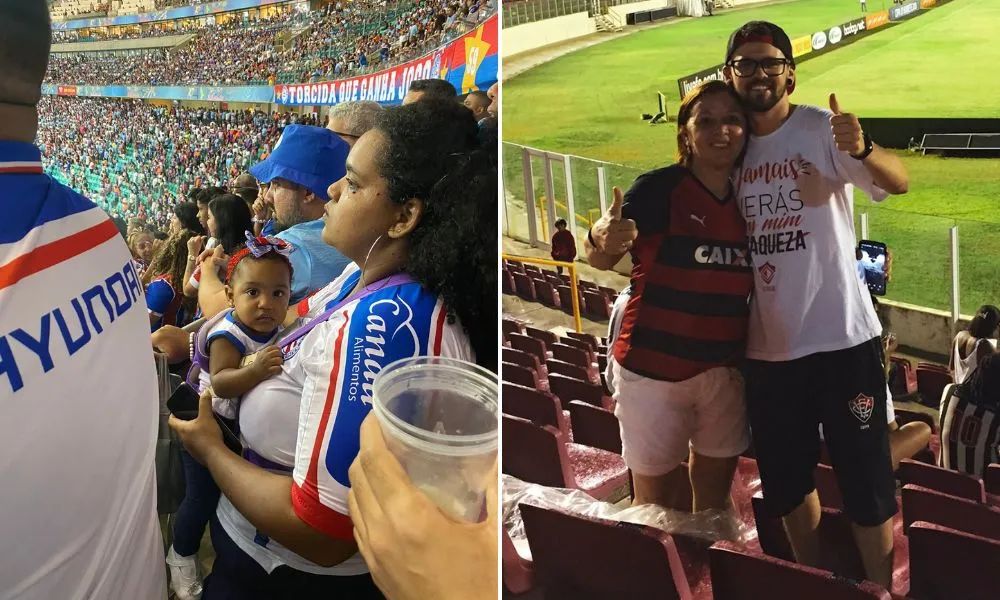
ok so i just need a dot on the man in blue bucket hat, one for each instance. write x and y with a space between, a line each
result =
304 163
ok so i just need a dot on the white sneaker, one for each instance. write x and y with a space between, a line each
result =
184 578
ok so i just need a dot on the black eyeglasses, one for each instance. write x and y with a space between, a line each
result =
746 67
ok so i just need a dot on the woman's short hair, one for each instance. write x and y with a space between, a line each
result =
691 100
432 153
985 323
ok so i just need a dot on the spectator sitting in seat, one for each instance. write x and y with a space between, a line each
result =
970 435
563 244
975 344
905 441
424 89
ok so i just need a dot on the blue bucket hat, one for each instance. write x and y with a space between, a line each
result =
312 157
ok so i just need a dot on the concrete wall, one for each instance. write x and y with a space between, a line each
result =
625 9
545 32
925 329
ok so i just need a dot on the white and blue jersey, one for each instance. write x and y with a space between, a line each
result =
78 388
308 417
245 341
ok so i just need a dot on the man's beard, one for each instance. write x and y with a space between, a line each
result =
765 104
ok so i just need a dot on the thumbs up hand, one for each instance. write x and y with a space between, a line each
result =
611 234
846 129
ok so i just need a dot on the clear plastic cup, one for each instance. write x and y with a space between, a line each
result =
440 419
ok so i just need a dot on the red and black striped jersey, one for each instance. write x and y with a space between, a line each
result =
691 278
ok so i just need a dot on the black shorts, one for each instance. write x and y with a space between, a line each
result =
845 391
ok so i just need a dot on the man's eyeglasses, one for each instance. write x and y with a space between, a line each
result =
746 67
342 134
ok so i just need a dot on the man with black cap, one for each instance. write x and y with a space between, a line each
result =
813 349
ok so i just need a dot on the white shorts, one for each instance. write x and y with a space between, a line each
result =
660 420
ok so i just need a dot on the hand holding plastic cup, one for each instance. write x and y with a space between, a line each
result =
440 420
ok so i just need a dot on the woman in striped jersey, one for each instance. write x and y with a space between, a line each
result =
970 424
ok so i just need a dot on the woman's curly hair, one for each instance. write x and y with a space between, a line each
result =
170 260
433 153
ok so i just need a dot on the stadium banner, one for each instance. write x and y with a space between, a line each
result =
925 4
250 93
468 63
183 12
902 11
876 20
801 45
853 28
688 83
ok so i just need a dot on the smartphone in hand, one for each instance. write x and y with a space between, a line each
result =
183 404
872 264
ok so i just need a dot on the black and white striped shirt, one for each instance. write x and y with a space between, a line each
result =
970 434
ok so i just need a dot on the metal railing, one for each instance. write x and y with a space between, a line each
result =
541 186
574 289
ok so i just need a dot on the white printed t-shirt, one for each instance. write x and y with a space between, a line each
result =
796 193
78 399
308 417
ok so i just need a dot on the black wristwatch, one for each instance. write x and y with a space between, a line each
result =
869 146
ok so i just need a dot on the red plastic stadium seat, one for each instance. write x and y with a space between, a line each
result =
946 563
566 299
597 305
594 426
991 481
508 283
518 572
568 389
514 373
536 455
547 294
931 383
938 479
562 367
583 558
515 266
535 406
511 326
519 357
742 574
529 268
904 379
587 338
524 287
923 504
528 344
570 354
580 345
609 293
540 334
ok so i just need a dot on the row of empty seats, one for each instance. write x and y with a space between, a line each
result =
552 289
925 383
566 435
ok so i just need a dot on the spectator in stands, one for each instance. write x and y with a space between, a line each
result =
298 172
141 245
419 199
676 385
162 279
350 120
245 186
974 344
494 95
563 244
228 222
970 420
411 548
478 102
432 89
186 217
77 428
807 332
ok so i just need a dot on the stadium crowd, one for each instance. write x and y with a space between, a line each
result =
135 159
294 247
340 40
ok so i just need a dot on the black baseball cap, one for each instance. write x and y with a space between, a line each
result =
761 31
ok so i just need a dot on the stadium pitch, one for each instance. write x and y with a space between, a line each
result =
938 64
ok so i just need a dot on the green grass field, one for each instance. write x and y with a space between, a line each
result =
939 64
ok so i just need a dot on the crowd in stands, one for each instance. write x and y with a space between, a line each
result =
135 159
338 40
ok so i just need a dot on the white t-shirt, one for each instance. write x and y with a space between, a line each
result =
796 193
309 416
78 400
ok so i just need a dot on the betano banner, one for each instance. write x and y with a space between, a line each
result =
468 63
